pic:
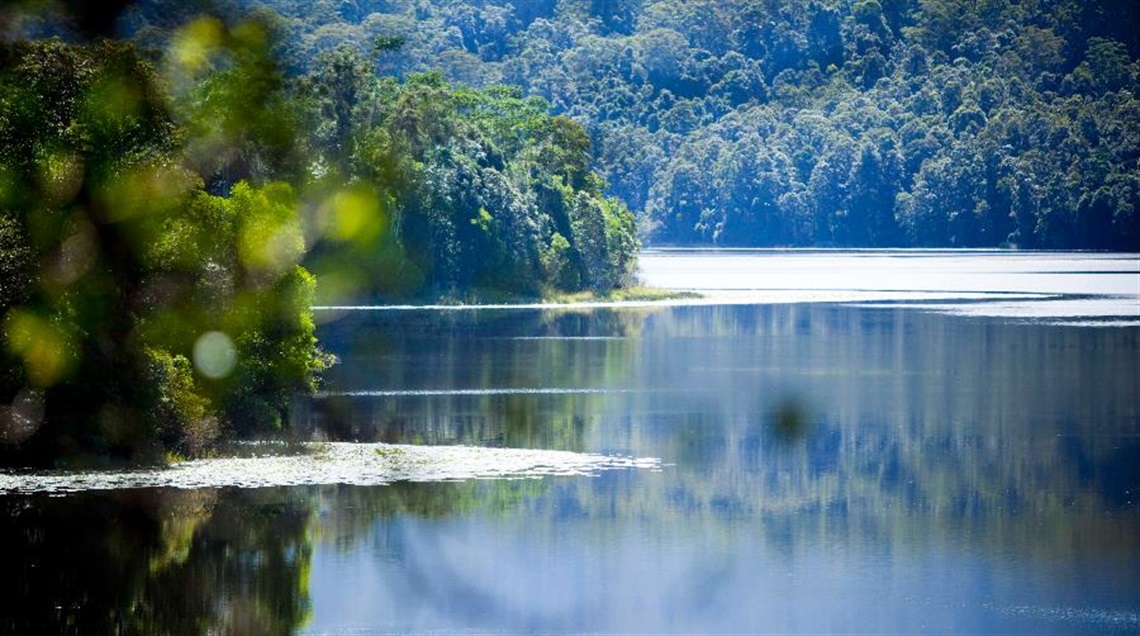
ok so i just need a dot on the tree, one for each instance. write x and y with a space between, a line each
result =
148 312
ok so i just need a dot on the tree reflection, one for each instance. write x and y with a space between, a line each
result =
462 377
156 561
859 422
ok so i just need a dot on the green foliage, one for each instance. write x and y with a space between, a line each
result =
178 415
229 99
139 311
556 266
459 191
1025 112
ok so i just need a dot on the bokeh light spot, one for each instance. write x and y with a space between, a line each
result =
215 355
45 348
20 419
354 215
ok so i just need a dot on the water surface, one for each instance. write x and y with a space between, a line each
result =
1061 286
826 467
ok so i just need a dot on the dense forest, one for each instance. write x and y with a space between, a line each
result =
780 122
165 216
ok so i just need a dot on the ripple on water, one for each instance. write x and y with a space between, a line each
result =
1102 620
334 463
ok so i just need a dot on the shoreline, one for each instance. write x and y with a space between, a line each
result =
1015 284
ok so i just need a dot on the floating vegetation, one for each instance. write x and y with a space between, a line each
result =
334 463
492 391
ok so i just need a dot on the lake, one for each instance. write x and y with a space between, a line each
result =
856 442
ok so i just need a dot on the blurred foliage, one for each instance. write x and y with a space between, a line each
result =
141 312
780 122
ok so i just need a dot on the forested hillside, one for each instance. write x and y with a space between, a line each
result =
781 122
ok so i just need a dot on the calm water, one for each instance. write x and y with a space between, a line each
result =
828 468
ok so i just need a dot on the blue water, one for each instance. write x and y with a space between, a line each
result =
830 469
825 468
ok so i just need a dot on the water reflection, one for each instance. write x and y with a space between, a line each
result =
983 469
156 561
733 389
830 468
511 378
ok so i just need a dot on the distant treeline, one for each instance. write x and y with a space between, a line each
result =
163 213
783 122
